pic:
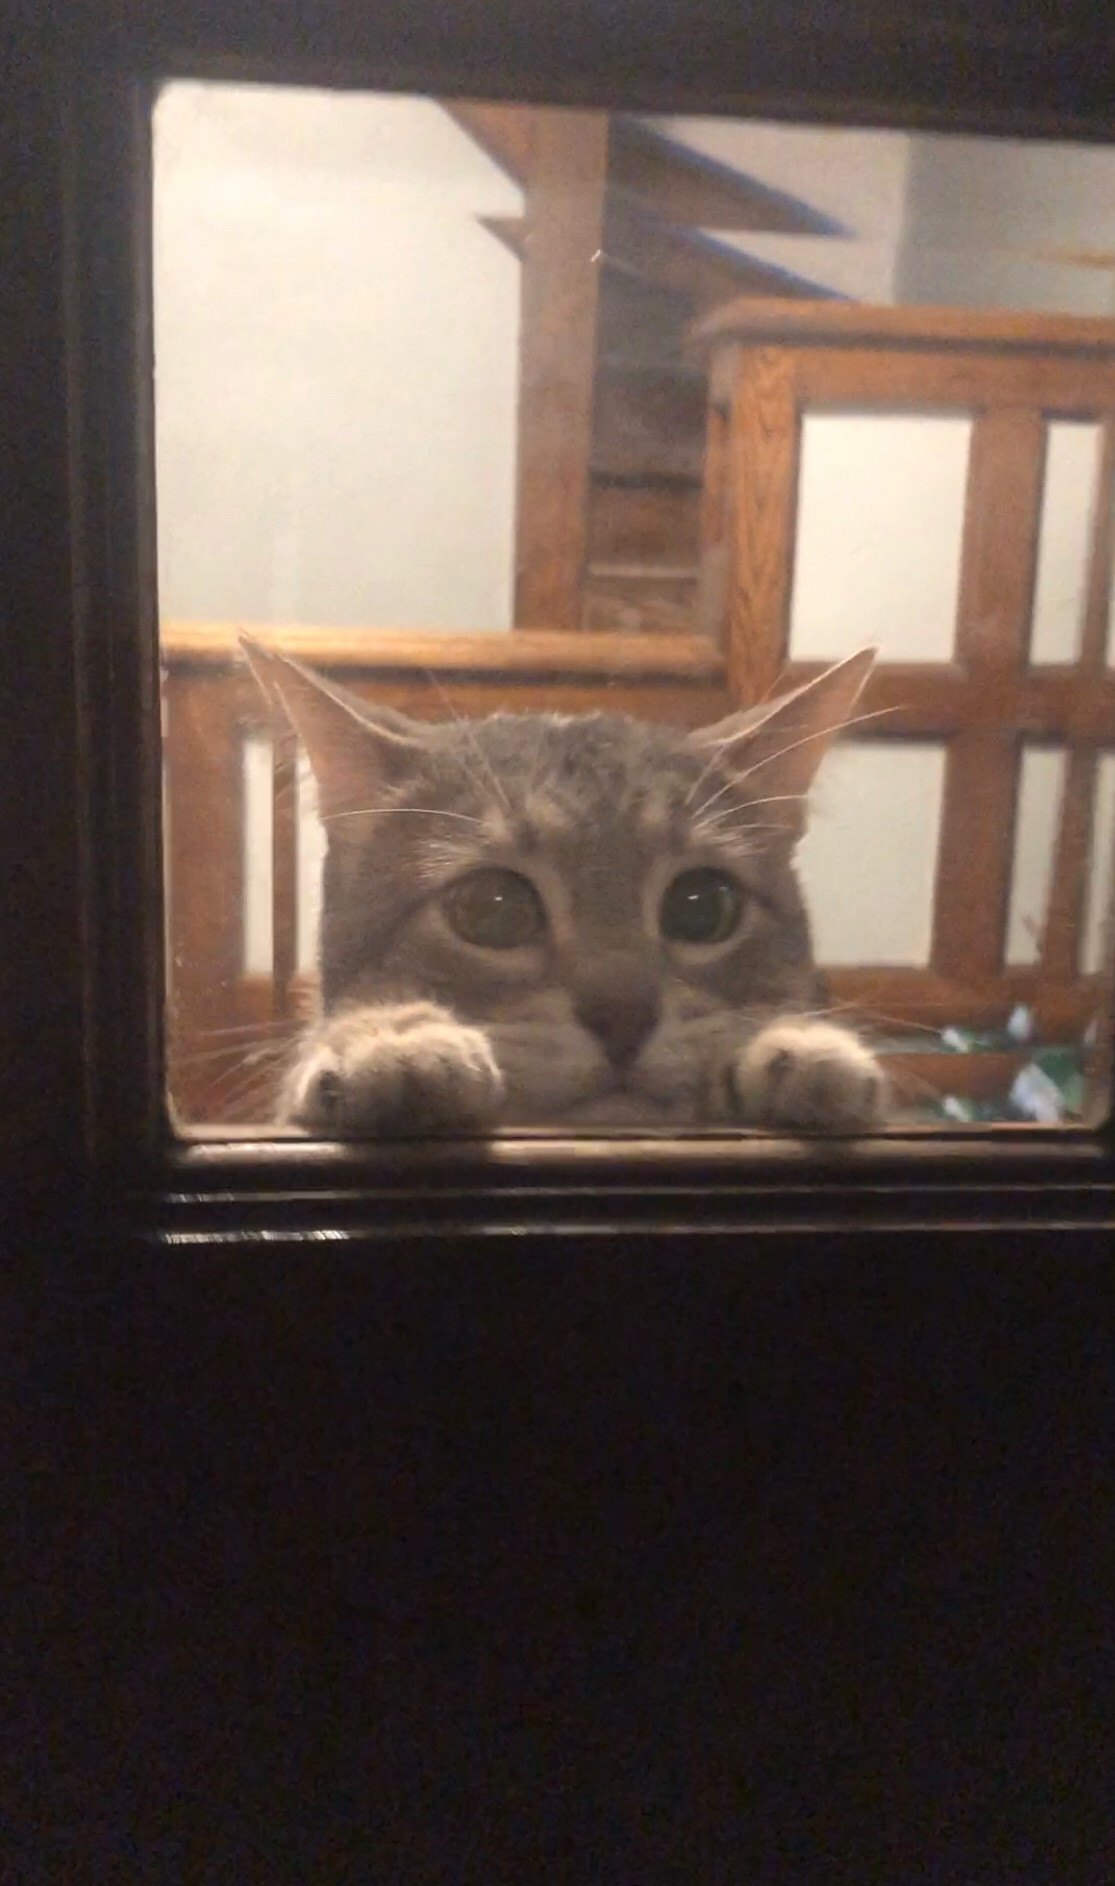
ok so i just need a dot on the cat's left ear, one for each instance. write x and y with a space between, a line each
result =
355 750
777 746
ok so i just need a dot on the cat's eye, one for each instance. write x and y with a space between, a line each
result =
495 910
702 905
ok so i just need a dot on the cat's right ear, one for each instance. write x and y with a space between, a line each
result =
354 752
777 745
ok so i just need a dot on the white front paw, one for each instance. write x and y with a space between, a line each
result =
398 1071
807 1077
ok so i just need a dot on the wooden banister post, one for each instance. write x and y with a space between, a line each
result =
561 262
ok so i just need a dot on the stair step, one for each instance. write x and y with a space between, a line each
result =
641 524
689 187
645 572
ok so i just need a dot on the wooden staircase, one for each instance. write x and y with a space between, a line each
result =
616 266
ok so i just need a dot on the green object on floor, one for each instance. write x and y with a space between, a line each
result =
1047 1089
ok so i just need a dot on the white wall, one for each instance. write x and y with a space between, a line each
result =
336 342
878 543
997 223
969 221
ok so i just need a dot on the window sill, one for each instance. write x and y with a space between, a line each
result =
244 1189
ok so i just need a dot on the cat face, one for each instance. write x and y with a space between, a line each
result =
609 899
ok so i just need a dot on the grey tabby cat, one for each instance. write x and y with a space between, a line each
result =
576 920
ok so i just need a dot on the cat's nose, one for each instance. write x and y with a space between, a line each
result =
620 1018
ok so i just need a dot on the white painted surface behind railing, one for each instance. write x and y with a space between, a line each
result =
1069 491
869 858
310 842
1041 785
880 529
257 774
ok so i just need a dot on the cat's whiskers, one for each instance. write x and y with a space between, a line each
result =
873 1018
531 780
718 746
464 724
818 733
251 1029
727 740
246 1056
701 819
915 1086
420 811
905 1080
735 817
254 1096
238 1084
745 805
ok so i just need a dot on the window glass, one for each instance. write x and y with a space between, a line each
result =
635 599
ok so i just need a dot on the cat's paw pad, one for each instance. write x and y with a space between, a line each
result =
406 1071
807 1077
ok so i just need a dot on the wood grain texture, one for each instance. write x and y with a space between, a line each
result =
691 189
646 522
932 698
993 625
711 609
504 132
1061 942
641 323
910 379
706 272
561 267
974 855
885 996
1003 500
1061 936
714 488
1041 703
762 476
648 424
806 323
429 695
521 654
641 602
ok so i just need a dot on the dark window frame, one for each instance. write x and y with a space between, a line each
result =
81 705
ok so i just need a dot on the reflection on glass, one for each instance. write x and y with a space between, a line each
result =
482 408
